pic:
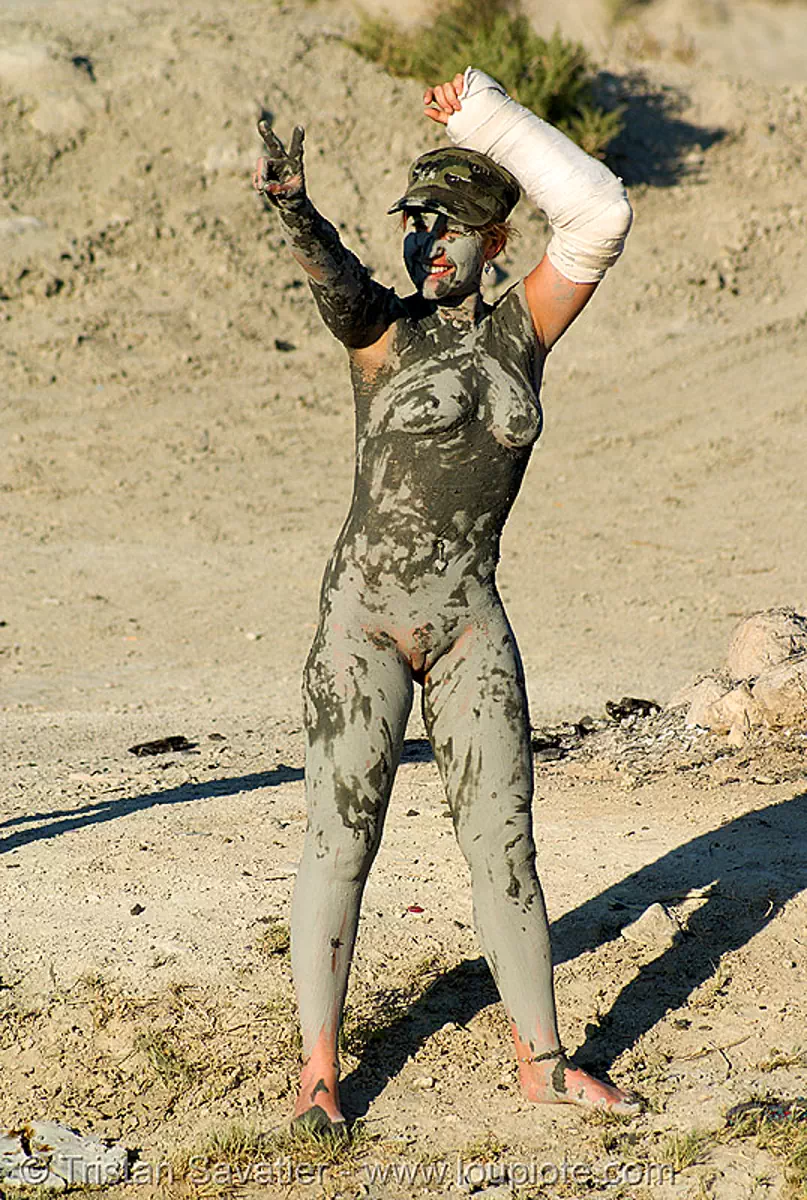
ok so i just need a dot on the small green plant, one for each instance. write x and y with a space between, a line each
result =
551 76
684 1150
616 1132
234 1144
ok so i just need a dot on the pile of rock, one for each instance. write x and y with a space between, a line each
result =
764 682
55 1158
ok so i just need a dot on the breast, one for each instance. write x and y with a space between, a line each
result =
426 398
512 410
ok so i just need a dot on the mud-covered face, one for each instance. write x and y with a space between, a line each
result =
443 257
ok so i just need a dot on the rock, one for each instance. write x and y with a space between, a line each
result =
12 1152
425 1082
699 697
54 1157
781 693
764 640
34 1173
654 928
735 714
79 1160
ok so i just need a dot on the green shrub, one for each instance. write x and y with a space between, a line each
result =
551 76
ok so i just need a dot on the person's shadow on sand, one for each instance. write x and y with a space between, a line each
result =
748 869
40 826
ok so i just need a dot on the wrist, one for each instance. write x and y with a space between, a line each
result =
486 112
296 208
584 202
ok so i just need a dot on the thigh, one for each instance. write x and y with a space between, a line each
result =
475 710
357 694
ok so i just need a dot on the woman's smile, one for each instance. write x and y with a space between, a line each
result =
444 258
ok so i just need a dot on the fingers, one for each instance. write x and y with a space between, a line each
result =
271 141
437 115
442 101
446 94
297 139
264 177
261 175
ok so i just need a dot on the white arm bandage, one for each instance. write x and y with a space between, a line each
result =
585 204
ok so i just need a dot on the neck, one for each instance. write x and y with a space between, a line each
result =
461 308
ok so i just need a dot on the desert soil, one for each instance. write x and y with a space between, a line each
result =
176 461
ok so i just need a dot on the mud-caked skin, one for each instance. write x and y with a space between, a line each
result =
447 411
446 418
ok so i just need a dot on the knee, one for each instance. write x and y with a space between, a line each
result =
341 854
503 860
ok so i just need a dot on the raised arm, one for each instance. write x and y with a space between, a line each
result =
355 308
585 203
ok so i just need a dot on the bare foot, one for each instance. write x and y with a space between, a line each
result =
555 1080
319 1088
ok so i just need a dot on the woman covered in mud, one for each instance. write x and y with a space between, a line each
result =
446 392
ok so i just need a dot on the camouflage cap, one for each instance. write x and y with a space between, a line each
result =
461 183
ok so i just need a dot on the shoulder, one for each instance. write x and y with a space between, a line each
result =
510 314
512 303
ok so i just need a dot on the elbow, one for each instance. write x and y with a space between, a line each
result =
615 221
585 253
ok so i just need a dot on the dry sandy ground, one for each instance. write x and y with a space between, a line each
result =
176 460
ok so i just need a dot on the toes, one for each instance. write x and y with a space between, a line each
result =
629 1104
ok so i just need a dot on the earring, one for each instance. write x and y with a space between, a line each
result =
488 268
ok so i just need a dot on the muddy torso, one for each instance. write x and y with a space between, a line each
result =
446 417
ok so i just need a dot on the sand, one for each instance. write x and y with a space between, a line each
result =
176 461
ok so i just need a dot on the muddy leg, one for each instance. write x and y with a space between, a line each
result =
475 709
357 700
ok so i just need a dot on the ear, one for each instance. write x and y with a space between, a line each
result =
494 244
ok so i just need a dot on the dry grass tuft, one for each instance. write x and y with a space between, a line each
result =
165 1057
486 1148
212 1164
779 1058
275 939
684 1150
778 1126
